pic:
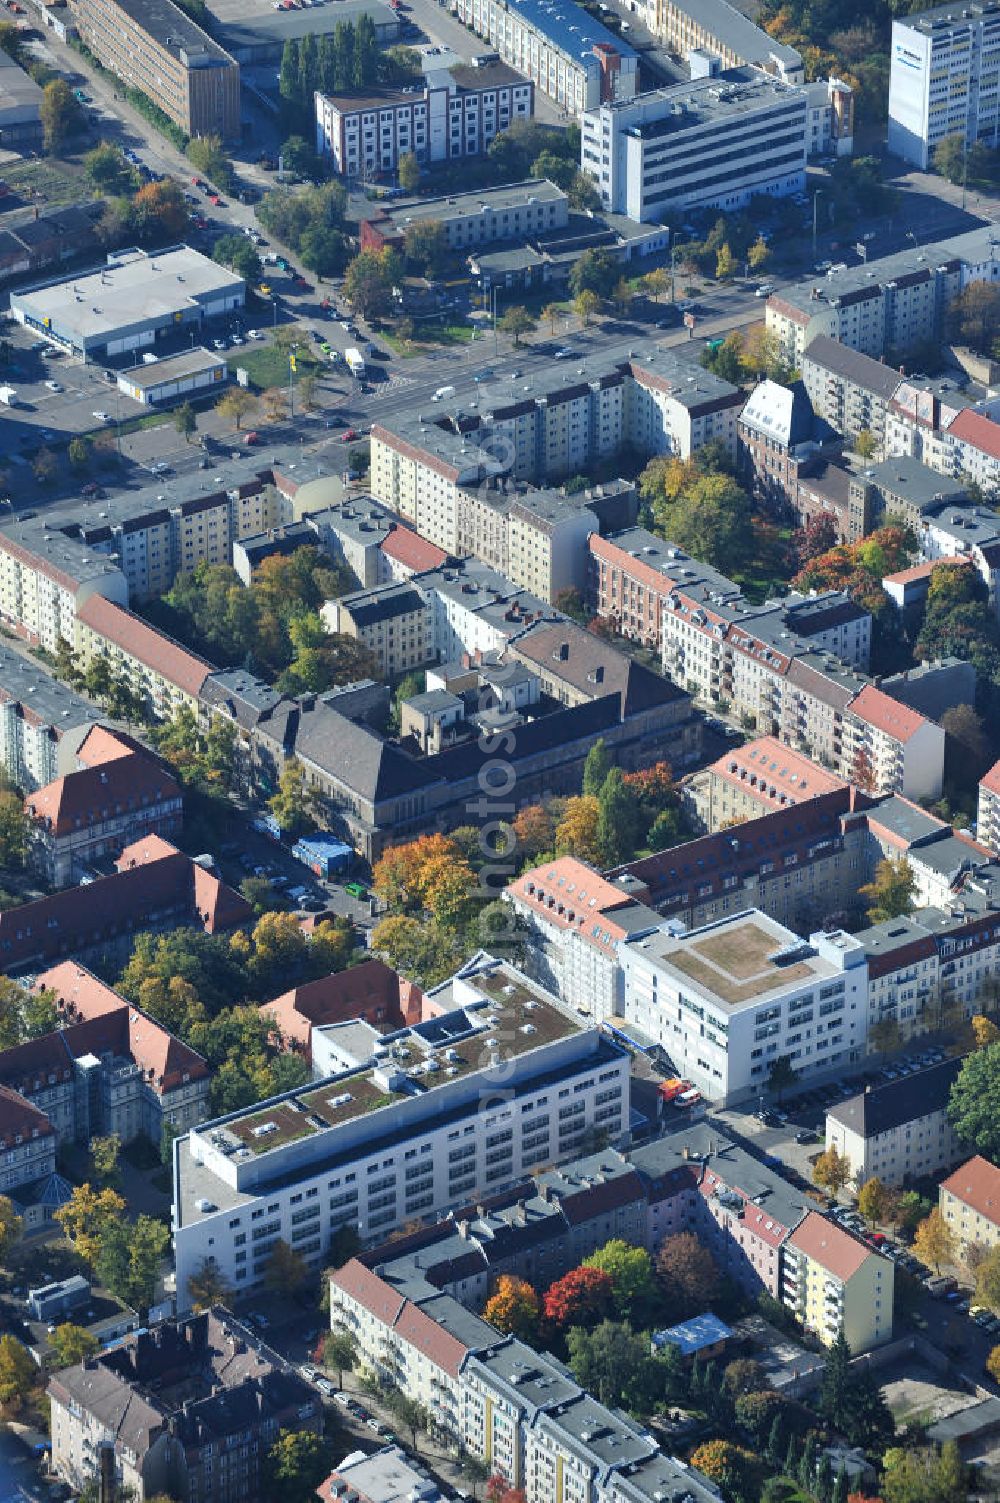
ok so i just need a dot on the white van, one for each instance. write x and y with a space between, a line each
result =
442 393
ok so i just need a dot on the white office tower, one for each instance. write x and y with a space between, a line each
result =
944 79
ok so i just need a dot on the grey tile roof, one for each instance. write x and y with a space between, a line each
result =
860 370
882 1108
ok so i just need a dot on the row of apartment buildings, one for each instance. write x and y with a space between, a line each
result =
656 400
795 669
761 1231
109 1068
652 943
888 306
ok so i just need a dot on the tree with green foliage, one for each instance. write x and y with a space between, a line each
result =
11 1227
923 1474
104 1156
295 804
597 271
425 247
709 516
108 170
781 1075
60 114
633 1283
206 155
25 1015
618 819
240 255
129 1258
340 1353
974 1104
517 321
18 1374
185 421
369 280
613 1362
295 1466
14 829
891 893
71 1344
408 172
596 767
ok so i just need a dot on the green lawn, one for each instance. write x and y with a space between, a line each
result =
429 336
267 366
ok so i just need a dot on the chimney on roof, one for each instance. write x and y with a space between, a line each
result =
463 1228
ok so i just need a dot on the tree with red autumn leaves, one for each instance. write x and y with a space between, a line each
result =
859 568
582 1297
499 1490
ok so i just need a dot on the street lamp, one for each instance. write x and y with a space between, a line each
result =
817 195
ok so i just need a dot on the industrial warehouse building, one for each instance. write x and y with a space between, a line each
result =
176 376
130 303
20 102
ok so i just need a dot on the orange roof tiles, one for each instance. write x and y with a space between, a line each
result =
886 715
371 991
991 780
79 991
19 1119
977 1185
150 647
566 893
829 1246
128 784
979 431
775 773
103 745
413 551
401 1314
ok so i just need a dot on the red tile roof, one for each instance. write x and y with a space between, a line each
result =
20 1119
920 571
829 1246
79 992
774 773
371 991
886 715
128 785
412 551
991 780
142 642
103 745
368 1290
977 1185
569 895
166 886
400 1315
979 431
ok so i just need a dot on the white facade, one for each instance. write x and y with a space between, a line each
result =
402 1154
712 143
812 1008
897 1152
367 137
945 67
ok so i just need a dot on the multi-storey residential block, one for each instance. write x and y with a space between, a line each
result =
726 1000
29 1143
775 435
711 143
189 1408
886 307
42 722
577 62
109 1069
969 1201
44 582
579 922
657 401
455 114
718 28
380 1145
753 779
943 79
832 1282
154 46
988 816
394 622
515 211
899 1131
117 795
163 674
154 887
850 390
